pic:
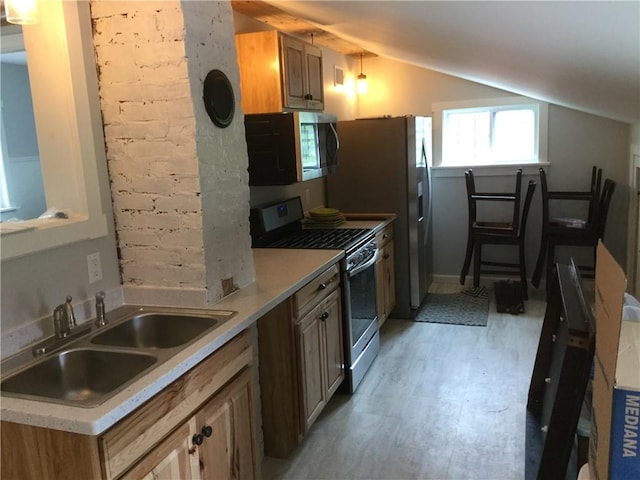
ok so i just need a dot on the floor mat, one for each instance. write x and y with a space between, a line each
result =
455 309
481 292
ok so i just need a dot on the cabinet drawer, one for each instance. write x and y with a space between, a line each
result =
384 235
135 435
316 290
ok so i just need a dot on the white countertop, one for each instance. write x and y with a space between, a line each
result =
279 274
374 221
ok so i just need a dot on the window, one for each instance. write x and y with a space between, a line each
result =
491 132
4 191
60 57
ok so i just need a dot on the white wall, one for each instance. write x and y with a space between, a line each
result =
576 142
635 134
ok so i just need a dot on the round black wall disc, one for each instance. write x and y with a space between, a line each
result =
218 97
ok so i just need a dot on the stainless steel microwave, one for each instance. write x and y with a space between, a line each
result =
290 147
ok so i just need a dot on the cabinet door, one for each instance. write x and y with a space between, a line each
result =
390 277
313 57
171 459
321 356
311 346
226 426
334 347
293 73
381 304
385 282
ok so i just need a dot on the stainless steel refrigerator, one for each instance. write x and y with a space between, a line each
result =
384 167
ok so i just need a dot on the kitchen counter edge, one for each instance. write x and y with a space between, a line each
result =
275 281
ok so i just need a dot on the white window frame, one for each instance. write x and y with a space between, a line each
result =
5 203
493 168
69 126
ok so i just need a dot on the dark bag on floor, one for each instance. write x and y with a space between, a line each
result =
509 297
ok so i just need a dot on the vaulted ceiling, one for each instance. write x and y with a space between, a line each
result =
580 54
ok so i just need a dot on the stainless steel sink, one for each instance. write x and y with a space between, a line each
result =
80 376
155 330
99 364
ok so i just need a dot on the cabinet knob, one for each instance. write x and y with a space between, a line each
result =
308 96
322 286
197 439
207 431
386 255
324 316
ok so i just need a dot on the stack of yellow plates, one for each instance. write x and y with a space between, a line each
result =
323 216
323 212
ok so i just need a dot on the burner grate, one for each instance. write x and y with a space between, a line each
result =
338 238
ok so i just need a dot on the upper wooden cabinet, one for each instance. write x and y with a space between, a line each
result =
279 72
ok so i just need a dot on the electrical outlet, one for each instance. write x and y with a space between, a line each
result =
95 267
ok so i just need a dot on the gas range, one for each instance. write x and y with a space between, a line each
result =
279 225
329 238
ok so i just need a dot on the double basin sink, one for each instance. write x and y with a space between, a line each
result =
88 371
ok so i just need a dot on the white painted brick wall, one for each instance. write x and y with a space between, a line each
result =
210 44
179 184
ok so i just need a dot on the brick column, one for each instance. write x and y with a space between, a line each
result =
179 183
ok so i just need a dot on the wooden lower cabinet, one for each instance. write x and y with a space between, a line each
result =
301 361
169 460
321 356
156 441
385 274
228 450
224 429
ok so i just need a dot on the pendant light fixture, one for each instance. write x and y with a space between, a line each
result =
21 12
362 85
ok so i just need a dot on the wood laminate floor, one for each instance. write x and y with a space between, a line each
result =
439 402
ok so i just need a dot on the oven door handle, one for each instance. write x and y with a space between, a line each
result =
364 266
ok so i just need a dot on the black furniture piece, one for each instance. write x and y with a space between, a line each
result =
573 232
482 232
560 377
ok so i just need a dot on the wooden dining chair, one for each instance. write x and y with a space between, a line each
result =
482 233
574 232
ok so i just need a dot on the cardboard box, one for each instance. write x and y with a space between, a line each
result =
614 444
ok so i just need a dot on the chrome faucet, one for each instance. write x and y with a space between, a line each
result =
65 329
69 315
60 324
101 319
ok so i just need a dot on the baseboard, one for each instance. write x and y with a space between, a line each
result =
485 280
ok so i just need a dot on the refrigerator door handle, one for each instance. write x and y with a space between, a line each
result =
335 134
